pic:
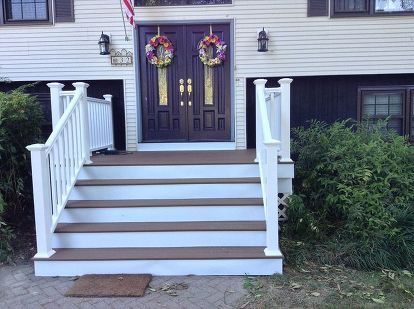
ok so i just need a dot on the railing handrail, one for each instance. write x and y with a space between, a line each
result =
57 163
267 153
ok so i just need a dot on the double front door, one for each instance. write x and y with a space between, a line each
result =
191 106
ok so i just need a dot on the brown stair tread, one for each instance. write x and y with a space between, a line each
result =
165 202
177 158
183 253
181 181
118 227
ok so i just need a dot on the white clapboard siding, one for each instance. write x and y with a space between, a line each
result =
299 46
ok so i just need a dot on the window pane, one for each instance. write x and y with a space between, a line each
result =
381 105
351 6
179 2
20 10
394 5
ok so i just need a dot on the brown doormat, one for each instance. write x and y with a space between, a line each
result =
110 286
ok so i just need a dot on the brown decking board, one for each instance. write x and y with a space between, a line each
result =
165 203
119 227
176 158
184 253
181 181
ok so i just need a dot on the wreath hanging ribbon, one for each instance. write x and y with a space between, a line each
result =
151 51
203 52
160 52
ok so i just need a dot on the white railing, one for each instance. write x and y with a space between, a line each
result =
272 140
57 163
101 123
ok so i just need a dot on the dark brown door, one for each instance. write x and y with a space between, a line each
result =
188 117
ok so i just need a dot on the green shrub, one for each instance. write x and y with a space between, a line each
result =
20 120
356 182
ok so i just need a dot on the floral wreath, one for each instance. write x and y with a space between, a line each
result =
151 51
209 40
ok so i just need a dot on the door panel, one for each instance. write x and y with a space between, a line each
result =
159 122
194 121
208 122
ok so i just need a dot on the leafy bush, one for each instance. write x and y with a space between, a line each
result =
20 120
356 185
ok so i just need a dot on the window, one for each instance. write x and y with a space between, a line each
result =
395 104
179 2
26 10
371 7
394 5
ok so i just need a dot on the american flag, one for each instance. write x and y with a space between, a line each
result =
128 8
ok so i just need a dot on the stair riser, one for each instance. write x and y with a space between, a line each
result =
161 267
163 214
158 239
169 171
186 191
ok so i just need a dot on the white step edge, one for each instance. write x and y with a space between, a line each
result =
169 171
159 239
232 267
162 214
176 191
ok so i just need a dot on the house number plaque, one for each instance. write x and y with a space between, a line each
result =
121 57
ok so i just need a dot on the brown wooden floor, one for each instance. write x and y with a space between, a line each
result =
184 253
176 158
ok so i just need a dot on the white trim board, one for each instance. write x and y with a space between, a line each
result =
186 146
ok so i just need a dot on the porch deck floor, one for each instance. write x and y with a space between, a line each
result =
176 158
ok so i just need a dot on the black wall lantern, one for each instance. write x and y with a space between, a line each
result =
104 44
262 42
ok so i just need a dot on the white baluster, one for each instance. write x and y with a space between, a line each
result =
81 87
108 97
285 119
42 201
260 95
56 103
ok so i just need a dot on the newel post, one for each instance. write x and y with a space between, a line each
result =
260 95
272 201
42 200
56 102
108 97
82 88
285 119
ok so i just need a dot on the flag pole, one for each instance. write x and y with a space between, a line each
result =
123 20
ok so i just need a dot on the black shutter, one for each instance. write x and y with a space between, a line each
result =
64 11
318 7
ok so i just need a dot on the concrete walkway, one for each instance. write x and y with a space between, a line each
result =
19 288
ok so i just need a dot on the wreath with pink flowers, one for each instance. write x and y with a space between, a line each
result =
212 40
167 54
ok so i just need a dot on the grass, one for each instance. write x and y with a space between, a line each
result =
313 286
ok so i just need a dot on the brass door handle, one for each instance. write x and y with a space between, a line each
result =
182 91
189 90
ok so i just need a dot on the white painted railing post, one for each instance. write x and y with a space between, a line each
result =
260 94
108 97
56 102
42 200
271 201
81 87
285 119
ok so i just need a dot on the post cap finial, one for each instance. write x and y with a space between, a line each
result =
285 81
260 81
80 85
55 85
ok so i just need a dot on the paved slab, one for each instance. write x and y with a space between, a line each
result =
19 288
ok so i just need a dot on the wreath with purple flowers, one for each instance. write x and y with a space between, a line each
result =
203 46
156 42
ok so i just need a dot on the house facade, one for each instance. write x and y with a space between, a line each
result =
190 197
327 46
